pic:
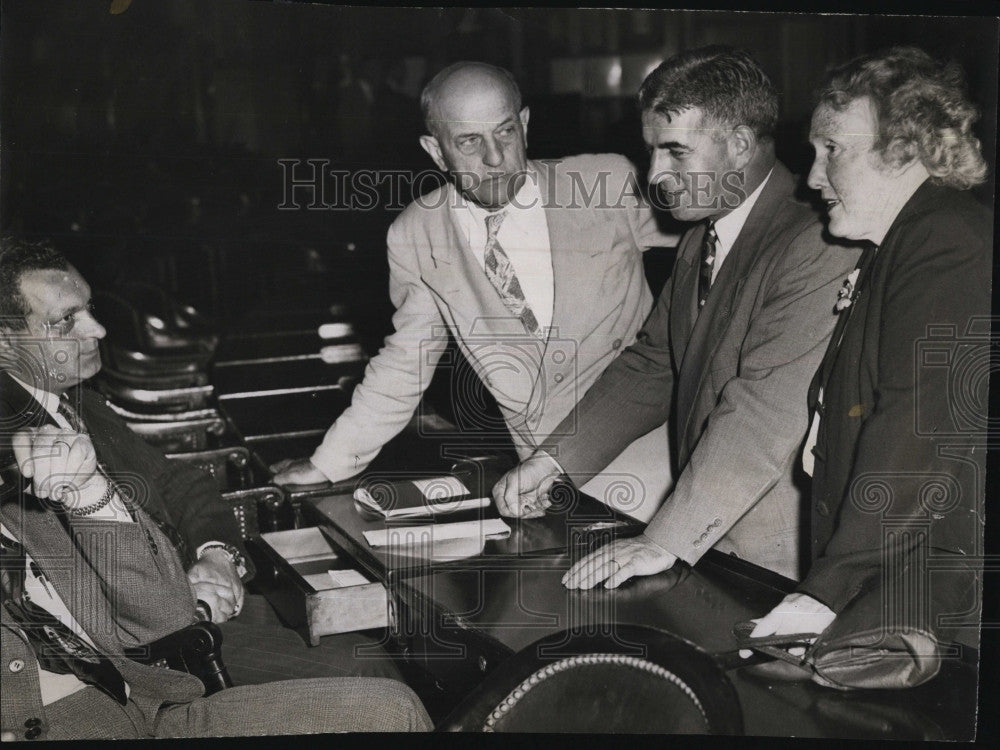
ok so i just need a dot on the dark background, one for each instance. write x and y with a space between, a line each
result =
147 142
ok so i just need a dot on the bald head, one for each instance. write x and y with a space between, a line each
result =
461 81
478 131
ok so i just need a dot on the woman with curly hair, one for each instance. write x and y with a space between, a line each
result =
897 445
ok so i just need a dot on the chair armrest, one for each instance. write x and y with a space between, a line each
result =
196 649
260 509
229 467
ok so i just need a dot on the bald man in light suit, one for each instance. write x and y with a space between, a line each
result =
573 231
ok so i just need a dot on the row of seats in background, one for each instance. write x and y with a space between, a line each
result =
229 403
235 396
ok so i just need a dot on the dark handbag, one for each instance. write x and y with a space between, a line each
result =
858 650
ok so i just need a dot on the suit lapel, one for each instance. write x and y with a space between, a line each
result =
579 245
711 323
457 276
17 410
50 545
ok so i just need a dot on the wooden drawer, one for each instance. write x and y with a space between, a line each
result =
306 591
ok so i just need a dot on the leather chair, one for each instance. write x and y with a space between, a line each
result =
181 435
228 466
633 680
196 649
141 343
142 396
169 321
257 508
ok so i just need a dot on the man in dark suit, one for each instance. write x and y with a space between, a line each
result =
730 347
183 500
94 550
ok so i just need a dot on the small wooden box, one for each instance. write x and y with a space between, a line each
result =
317 588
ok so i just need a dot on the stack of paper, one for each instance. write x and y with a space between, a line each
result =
431 534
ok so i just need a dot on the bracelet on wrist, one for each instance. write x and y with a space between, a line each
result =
235 556
89 510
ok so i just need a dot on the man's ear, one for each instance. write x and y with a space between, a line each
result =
742 143
524 116
430 144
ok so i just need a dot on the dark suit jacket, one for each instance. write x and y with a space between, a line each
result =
734 381
900 454
170 491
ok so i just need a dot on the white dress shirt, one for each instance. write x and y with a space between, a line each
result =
52 686
524 237
728 228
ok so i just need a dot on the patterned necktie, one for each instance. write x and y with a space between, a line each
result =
500 272
708 248
58 649
71 415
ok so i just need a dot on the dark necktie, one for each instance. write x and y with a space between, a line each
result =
708 250
57 648
500 272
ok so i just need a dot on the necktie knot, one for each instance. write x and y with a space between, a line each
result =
493 222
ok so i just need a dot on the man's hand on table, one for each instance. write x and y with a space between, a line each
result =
214 580
297 471
616 562
523 492
796 613
62 465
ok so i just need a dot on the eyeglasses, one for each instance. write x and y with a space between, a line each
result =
65 325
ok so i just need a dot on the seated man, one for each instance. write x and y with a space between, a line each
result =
86 575
40 371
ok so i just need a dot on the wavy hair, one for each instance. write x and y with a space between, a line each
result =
18 256
725 83
923 111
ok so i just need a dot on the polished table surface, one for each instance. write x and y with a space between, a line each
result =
457 612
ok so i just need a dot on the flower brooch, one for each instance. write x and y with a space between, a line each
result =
847 293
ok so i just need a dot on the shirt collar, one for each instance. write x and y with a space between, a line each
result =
527 197
728 228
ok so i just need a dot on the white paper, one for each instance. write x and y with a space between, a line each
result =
405 536
440 488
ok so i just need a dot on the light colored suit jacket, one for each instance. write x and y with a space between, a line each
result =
734 380
598 227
